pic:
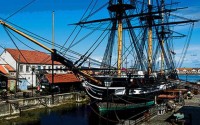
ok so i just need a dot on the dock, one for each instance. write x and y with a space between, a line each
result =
191 112
14 107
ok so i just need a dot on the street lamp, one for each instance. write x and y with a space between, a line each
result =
186 78
33 69
107 83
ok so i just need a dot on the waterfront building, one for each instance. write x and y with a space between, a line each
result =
3 81
188 70
7 77
27 63
65 82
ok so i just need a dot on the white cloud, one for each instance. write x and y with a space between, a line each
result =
192 13
191 58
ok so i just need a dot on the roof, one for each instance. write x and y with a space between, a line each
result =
163 96
9 68
176 90
188 69
62 78
3 70
31 57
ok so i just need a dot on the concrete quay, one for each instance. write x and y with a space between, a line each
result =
13 107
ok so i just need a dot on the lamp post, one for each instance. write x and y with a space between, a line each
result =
186 78
33 69
107 83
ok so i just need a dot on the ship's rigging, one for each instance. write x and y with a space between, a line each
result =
144 33
153 25
141 30
154 18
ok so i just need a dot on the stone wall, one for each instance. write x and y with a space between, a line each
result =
12 107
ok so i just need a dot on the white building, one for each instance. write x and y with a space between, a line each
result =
24 61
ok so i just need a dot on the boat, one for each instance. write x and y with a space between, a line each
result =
198 82
142 31
149 28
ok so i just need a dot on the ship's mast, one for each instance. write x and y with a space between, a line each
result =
149 38
119 8
119 62
119 17
119 56
162 37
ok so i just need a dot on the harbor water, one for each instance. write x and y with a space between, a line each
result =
69 114
190 78
73 114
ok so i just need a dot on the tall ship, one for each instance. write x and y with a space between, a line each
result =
143 33
135 40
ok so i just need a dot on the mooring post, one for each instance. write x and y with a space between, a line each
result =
10 107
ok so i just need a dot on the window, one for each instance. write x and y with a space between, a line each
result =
39 67
20 68
61 69
32 68
56 68
12 73
27 68
3 84
49 68
44 67
64 69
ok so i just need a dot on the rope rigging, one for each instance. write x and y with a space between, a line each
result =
75 29
162 47
106 62
8 33
135 43
49 42
137 49
20 9
184 51
83 38
93 49
92 13
85 19
83 56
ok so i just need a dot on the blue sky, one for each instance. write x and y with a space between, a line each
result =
37 18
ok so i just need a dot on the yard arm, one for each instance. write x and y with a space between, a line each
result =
54 54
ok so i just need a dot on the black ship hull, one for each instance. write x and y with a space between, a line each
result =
126 96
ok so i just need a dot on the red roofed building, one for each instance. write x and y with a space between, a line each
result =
9 68
3 78
188 70
66 82
7 77
31 57
62 78
3 70
24 61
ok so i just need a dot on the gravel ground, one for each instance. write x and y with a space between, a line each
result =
195 101
191 111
